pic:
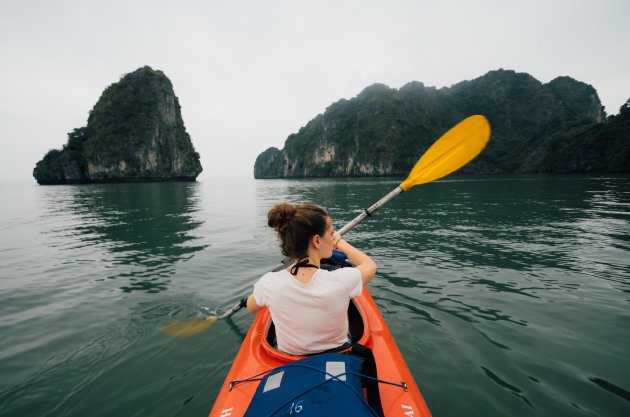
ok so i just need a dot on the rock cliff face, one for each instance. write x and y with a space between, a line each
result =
383 131
135 132
578 97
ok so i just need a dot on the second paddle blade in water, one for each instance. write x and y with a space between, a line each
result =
185 329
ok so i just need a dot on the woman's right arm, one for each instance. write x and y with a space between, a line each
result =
362 261
252 305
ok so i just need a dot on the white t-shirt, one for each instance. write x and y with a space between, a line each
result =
313 317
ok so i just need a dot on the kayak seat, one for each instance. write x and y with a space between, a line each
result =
355 323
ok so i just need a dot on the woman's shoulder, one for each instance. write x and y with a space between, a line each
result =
274 276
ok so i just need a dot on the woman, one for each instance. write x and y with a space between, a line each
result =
309 305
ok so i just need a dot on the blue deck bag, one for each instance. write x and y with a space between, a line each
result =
322 385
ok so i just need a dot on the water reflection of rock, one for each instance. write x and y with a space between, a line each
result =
145 228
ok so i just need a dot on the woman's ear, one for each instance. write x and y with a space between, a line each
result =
316 241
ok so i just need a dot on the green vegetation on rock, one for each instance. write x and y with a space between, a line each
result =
555 127
135 132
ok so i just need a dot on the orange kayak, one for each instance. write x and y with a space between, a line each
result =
367 327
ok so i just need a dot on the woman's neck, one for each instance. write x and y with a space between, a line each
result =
313 258
303 269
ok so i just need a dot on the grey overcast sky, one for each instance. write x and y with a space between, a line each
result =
249 73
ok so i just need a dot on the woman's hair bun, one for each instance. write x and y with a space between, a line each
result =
280 215
296 225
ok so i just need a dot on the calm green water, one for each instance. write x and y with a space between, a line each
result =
507 295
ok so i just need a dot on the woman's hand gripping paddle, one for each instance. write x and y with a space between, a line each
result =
452 151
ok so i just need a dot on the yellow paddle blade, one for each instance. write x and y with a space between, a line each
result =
452 151
185 329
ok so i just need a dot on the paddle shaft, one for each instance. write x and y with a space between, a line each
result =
368 212
451 151
231 311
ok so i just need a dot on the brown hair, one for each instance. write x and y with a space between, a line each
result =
295 225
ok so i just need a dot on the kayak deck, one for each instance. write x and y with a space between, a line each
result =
367 327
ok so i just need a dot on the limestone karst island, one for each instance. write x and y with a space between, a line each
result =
134 133
557 127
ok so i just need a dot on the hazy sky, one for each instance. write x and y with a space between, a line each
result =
249 73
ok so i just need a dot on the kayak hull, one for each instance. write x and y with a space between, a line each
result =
256 355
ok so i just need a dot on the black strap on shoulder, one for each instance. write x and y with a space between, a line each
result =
301 263
369 369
